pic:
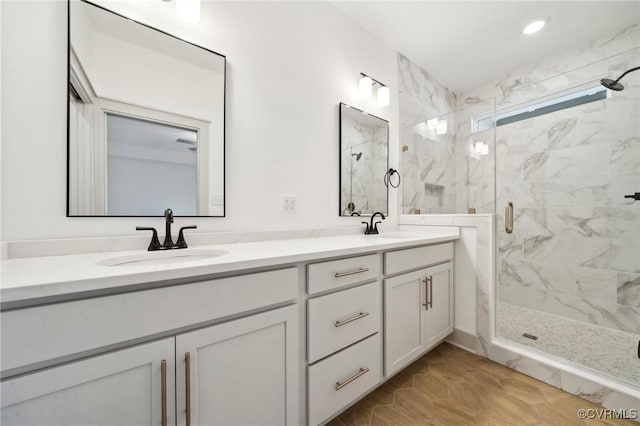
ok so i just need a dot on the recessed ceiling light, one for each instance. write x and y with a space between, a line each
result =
534 26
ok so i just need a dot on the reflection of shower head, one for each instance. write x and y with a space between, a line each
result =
357 155
615 84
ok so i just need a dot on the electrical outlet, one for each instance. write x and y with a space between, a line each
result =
289 204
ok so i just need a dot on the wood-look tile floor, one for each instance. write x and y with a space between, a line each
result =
450 386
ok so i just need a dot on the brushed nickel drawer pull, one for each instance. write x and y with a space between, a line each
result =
163 391
347 321
356 271
362 372
430 301
187 372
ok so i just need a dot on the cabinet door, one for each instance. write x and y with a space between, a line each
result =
119 388
244 372
404 298
439 315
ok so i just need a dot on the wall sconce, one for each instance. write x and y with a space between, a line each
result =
189 10
366 84
481 148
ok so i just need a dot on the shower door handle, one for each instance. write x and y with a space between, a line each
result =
635 196
508 218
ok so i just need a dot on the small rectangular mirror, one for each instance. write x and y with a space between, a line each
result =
364 160
145 120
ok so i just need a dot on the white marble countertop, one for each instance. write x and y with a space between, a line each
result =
23 279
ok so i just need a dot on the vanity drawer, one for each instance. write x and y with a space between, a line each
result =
353 371
404 260
340 319
44 333
339 273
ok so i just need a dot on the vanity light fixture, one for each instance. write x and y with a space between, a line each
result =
383 96
366 84
534 26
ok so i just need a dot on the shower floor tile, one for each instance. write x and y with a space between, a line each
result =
481 392
607 351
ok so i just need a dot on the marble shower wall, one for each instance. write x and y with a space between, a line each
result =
575 249
428 156
441 171
475 172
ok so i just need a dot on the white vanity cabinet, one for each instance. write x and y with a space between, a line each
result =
125 388
418 304
231 366
344 347
250 347
238 372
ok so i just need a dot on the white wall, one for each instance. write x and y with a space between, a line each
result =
289 65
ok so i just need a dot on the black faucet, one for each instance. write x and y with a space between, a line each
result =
168 241
168 220
373 227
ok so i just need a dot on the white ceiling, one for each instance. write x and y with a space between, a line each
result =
464 45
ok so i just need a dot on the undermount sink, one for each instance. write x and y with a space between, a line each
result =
162 257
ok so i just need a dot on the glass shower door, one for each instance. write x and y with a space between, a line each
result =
568 275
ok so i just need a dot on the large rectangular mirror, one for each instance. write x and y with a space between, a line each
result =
364 160
145 120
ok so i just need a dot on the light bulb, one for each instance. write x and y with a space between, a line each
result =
366 85
383 96
189 10
441 129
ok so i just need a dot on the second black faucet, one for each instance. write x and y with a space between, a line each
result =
372 228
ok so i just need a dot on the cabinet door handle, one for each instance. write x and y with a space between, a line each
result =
508 217
360 373
426 303
187 381
163 391
347 321
430 300
355 271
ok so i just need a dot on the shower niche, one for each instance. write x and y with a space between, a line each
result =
364 154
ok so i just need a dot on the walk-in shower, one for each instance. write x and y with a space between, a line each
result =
568 159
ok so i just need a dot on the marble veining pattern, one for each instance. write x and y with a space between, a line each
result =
428 156
574 252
